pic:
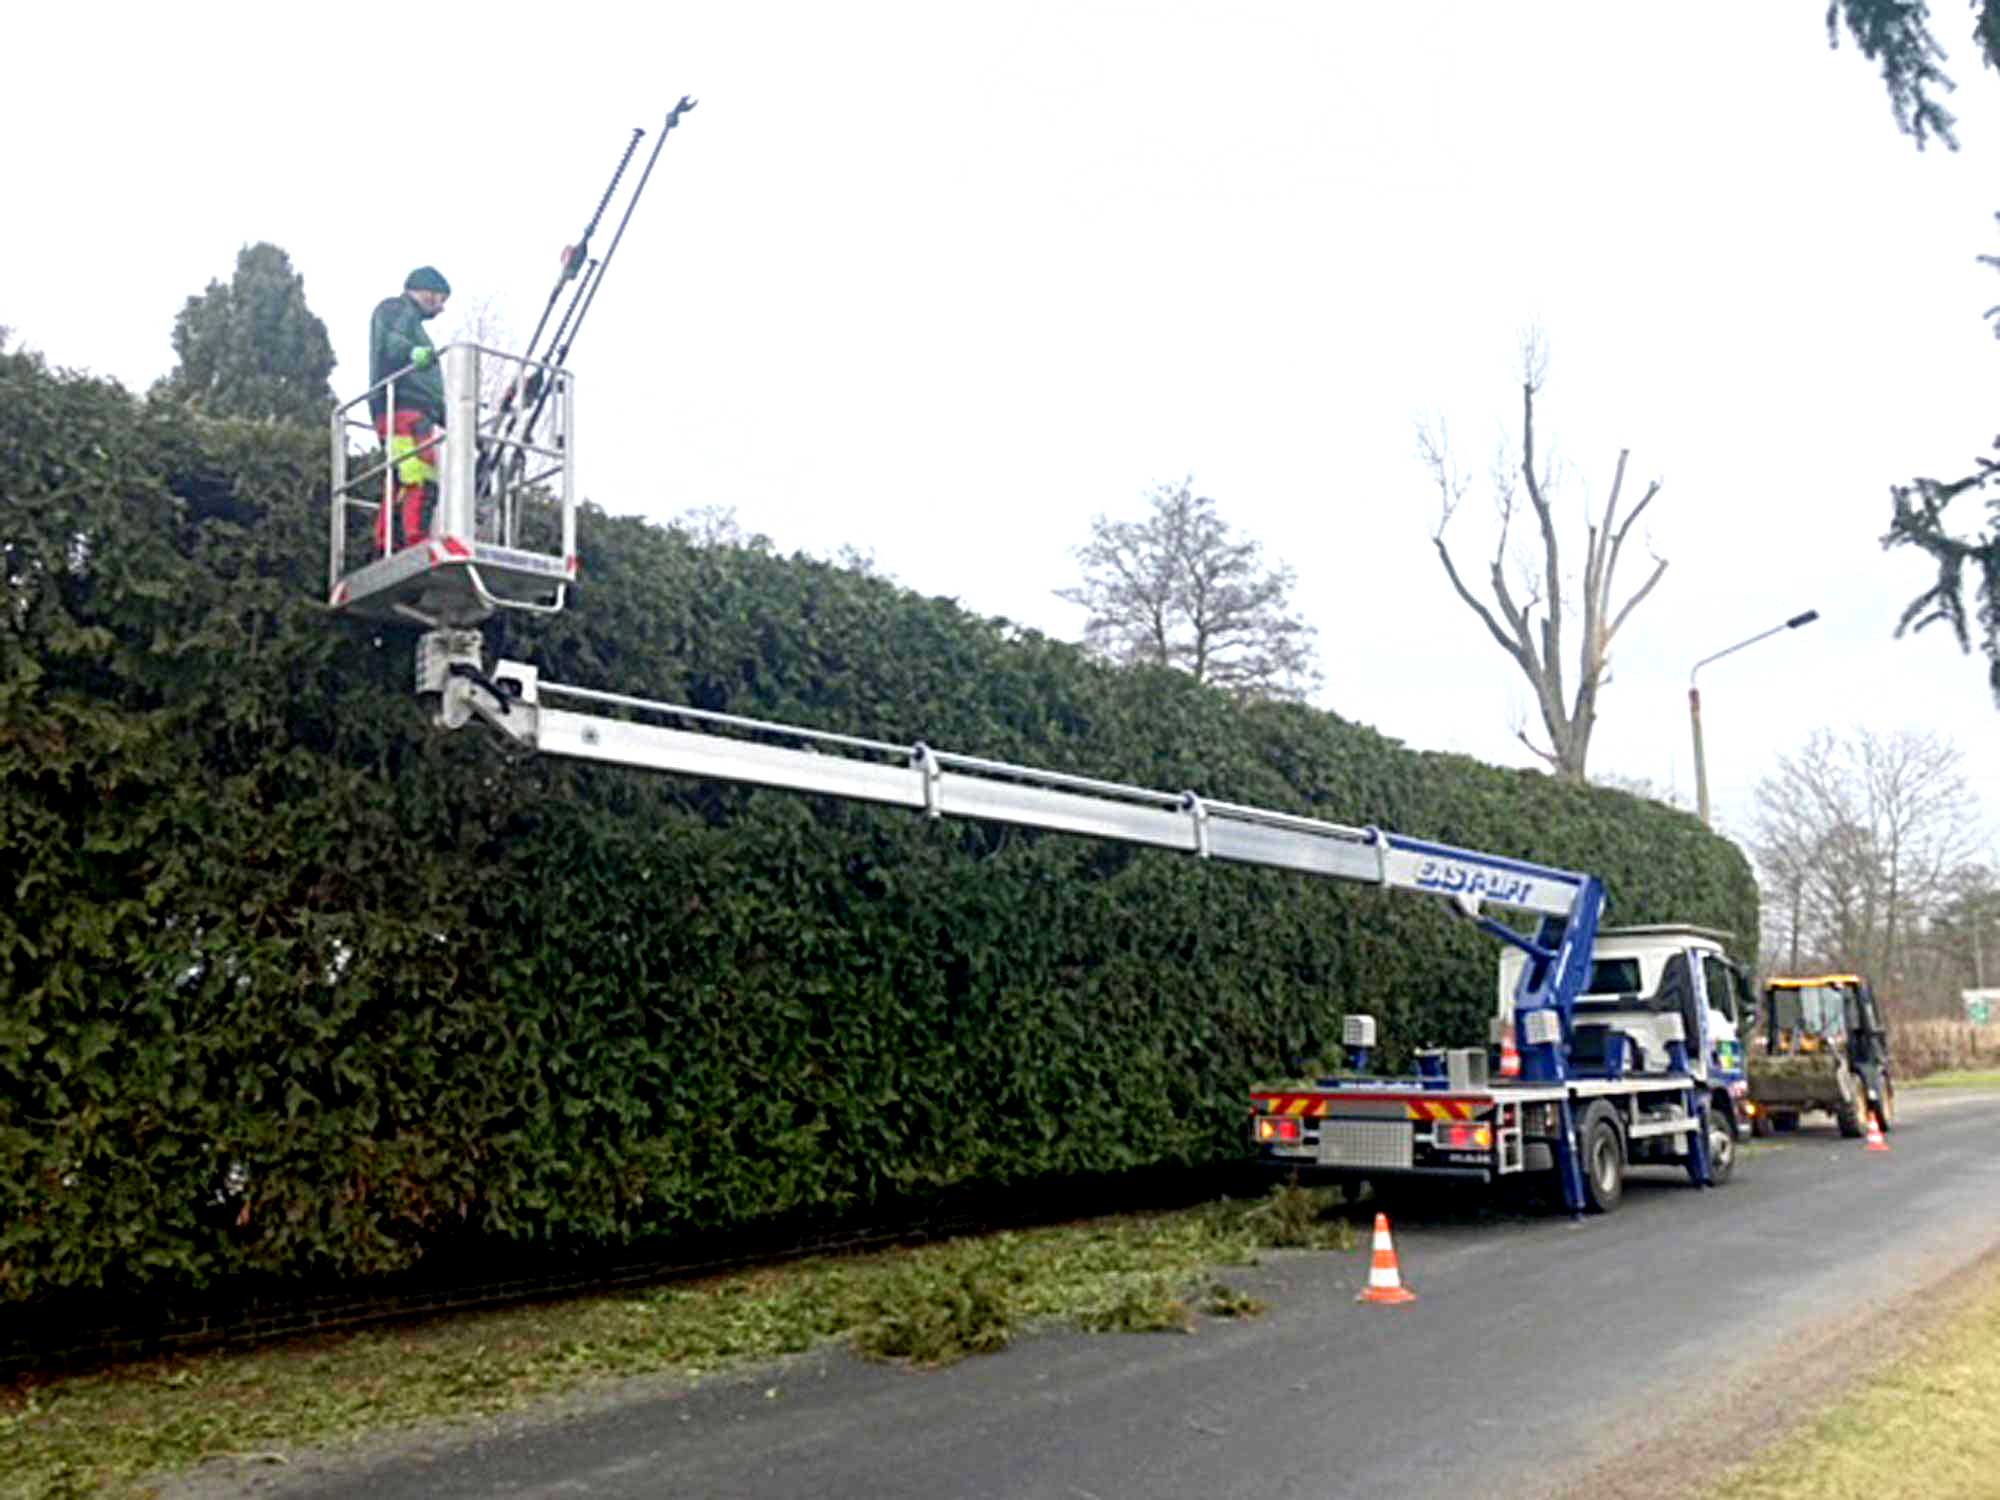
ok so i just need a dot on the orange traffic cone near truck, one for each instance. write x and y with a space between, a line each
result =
1385 1281
1876 1140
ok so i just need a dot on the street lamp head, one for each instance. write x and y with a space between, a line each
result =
1694 700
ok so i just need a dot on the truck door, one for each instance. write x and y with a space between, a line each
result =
1728 997
1680 992
1866 1035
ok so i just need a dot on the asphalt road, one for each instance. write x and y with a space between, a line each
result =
1539 1348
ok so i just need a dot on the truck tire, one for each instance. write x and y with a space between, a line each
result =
1720 1132
1851 1113
1602 1146
1762 1125
1887 1114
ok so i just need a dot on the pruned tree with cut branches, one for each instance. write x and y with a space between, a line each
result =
1528 610
1181 589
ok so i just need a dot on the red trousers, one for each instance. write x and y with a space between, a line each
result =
412 442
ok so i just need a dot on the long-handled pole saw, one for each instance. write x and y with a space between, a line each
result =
562 345
574 256
518 421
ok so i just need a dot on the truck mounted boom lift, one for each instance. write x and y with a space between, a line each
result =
1477 1128
1646 1075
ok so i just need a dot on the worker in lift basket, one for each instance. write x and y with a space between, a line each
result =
398 341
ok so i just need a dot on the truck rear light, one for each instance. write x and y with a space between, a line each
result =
1279 1130
1458 1137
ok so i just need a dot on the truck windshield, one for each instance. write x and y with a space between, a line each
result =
1807 1014
1615 976
1825 1011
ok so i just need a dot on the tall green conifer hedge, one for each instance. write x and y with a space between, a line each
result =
295 984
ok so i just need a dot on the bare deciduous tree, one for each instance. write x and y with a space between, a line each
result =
481 322
1963 939
1180 589
717 526
1527 615
1861 845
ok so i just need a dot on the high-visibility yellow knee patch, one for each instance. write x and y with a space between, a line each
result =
410 468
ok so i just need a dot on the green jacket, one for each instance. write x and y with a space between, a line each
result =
395 333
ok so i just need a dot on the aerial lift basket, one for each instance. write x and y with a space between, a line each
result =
503 531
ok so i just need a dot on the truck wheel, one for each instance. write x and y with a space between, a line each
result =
1762 1125
1852 1111
1720 1132
1888 1110
1603 1149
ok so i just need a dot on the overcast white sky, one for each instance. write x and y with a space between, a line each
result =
942 281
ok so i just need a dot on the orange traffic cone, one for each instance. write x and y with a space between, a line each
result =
1876 1140
1385 1282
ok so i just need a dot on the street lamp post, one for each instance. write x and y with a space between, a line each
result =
1694 699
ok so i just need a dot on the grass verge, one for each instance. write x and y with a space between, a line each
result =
1960 1079
106 1432
1923 1426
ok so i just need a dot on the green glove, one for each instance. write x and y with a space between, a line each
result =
421 356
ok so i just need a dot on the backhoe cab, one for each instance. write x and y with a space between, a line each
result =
1824 1046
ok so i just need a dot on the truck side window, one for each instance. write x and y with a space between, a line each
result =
1677 993
1721 990
1861 1026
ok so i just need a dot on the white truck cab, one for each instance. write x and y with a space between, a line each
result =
1639 976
